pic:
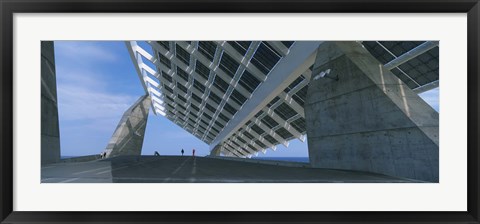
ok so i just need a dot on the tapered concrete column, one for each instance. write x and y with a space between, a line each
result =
216 151
128 136
50 132
360 116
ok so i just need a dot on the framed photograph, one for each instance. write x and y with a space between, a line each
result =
263 112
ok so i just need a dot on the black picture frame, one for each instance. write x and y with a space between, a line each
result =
9 7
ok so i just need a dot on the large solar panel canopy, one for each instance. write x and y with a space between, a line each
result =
244 97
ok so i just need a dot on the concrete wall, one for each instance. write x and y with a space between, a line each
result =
128 136
80 159
362 117
50 133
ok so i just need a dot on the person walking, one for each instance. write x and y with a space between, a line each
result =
182 152
193 152
156 153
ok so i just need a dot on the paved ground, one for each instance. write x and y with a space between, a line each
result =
186 169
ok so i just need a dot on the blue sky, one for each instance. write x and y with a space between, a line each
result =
96 83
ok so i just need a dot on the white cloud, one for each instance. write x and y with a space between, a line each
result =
84 51
79 78
79 102
82 89
90 99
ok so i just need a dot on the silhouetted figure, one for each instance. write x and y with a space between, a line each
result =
182 152
193 152
157 154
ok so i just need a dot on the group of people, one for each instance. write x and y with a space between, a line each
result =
182 151
103 155
193 152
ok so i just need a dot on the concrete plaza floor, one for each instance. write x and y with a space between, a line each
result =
187 169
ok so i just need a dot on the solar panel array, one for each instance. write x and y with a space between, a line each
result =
205 83
418 71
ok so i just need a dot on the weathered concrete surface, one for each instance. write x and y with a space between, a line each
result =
187 169
50 141
362 117
128 136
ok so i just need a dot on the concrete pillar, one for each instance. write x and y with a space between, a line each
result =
128 136
216 151
359 116
50 141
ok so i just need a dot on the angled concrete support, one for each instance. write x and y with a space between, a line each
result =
50 143
128 136
360 116
216 150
